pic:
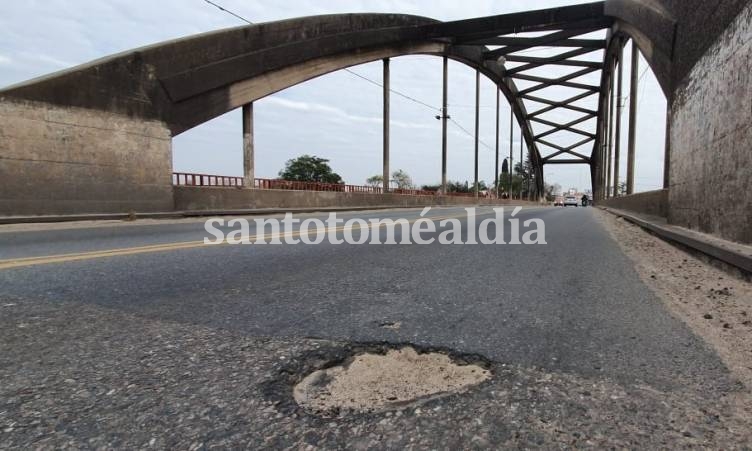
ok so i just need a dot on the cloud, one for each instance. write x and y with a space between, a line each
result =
337 114
5 61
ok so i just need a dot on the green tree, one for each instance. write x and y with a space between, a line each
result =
458 187
307 168
402 179
481 186
375 180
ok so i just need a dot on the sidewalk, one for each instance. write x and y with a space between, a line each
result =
734 254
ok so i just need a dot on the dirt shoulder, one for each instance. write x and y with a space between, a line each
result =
717 306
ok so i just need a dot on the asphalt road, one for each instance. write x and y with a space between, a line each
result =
182 345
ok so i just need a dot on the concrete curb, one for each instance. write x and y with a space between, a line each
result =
731 257
199 213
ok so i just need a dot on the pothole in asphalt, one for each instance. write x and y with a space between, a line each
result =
369 382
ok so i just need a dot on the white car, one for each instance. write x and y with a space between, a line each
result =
571 200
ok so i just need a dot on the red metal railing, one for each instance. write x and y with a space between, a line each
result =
314 186
186 179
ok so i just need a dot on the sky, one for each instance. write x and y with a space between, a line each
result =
336 116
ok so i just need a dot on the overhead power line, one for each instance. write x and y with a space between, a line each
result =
219 7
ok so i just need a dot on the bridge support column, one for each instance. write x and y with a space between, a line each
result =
249 165
511 155
521 160
610 137
667 150
619 107
387 91
496 176
444 118
477 128
634 81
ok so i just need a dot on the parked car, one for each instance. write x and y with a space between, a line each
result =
571 200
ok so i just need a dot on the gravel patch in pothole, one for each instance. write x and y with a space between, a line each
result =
370 382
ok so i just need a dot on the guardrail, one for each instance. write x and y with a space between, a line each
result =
189 179
314 186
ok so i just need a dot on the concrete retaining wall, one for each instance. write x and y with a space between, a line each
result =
654 203
711 139
63 160
218 198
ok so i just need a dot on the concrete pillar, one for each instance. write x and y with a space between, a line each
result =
521 160
521 149
610 137
444 119
632 117
249 165
667 151
511 153
477 127
496 177
386 125
619 108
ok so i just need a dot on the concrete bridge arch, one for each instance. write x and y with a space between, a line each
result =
100 133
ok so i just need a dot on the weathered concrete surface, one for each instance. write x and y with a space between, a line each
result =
61 160
673 34
654 203
711 139
219 198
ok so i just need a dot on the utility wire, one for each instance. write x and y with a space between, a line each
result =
228 11
432 108
469 134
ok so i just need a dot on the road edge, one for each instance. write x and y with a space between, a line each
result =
675 234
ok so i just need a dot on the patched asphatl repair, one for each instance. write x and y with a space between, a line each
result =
370 382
